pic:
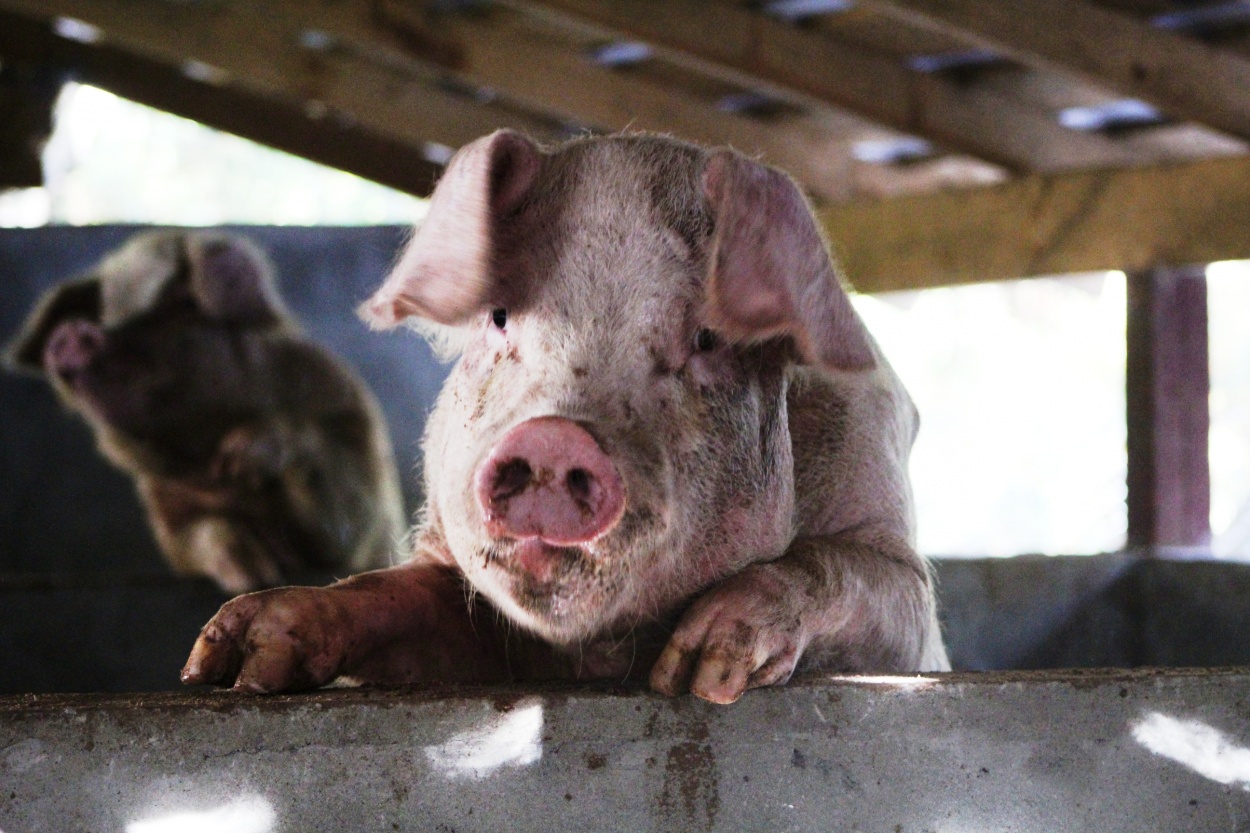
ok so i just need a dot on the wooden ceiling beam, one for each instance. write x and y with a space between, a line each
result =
508 57
277 123
369 70
509 53
757 51
245 46
1182 76
1128 219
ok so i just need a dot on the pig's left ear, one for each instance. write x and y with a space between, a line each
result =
447 270
770 272
74 299
232 281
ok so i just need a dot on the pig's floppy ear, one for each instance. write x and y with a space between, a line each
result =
770 272
231 280
445 273
76 299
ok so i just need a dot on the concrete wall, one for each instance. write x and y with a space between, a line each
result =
1055 752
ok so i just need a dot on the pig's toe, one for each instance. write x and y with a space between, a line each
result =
288 648
273 666
275 640
671 673
218 651
720 678
211 662
725 672
717 654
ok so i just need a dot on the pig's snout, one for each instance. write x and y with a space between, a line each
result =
71 347
548 479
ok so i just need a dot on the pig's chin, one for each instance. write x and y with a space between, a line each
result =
555 591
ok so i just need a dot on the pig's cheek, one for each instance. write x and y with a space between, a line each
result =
710 371
496 339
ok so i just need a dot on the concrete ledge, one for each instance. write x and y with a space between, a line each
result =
1020 751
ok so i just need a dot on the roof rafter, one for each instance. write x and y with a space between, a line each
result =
1180 75
279 124
504 51
1129 219
752 49
242 45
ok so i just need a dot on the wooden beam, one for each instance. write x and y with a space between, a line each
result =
277 123
510 57
1183 76
27 94
367 68
1130 219
532 65
248 47
757 51
1167 387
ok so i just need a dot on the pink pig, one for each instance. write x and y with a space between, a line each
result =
669 445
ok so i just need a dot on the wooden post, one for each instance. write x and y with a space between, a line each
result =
1168 381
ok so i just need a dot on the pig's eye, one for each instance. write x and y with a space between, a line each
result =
499 317
705 340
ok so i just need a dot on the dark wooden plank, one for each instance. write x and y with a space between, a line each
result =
1183 76
1129 219
254 49
757 51
548 70
1167 385
284 125
27 94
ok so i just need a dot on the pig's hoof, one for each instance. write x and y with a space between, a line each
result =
288 639
729 641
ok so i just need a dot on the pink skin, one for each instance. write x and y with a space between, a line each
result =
547 484
548 479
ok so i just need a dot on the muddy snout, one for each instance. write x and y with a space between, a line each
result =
71 347
548 479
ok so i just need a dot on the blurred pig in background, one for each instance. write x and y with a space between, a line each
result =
259 457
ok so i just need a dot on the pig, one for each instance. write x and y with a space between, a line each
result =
669 449
258 457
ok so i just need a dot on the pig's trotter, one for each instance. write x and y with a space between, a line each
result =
742 634
276 640
852 602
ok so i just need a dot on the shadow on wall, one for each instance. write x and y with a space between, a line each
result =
63 509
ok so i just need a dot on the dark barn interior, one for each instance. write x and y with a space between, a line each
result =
940 143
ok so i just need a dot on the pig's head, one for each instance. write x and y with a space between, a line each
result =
614 436
154 334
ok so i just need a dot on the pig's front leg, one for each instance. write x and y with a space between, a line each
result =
406 624
851 602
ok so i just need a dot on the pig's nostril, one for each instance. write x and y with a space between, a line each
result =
511 478
578 483
547 478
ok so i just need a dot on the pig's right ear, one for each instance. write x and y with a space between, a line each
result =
770 271
445 273
75 299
